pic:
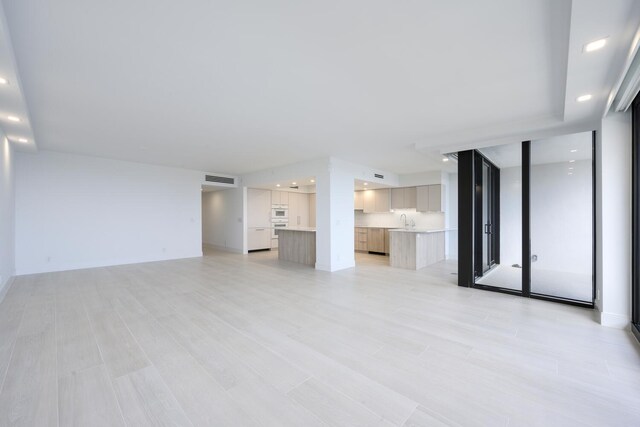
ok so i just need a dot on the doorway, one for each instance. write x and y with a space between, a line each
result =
528 223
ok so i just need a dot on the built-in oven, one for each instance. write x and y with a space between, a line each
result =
276 224
280 212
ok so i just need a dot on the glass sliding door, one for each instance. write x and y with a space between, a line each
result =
561 217
500 224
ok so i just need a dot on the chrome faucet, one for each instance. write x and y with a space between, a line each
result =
404 221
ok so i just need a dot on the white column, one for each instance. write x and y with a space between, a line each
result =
334 218
613 221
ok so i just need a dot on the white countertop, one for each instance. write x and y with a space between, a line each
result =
307 229
419 230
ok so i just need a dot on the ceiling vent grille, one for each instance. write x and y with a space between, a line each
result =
219 179
377 175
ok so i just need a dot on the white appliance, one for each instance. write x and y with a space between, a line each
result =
280 212
277 224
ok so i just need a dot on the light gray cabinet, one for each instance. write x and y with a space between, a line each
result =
435 198
403 198
383 200
429 198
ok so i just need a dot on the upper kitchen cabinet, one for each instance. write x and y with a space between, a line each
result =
369 201
376 200
383 200
429 198
279 198
403 198
358 200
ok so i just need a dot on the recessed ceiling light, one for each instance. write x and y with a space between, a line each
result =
446 159
277 185
583 98
14 118
366 183
570 173
595 45
3 81
23 140
313 180
574 151
570 169
572 161
293 183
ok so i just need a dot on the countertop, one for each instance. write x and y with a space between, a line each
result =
419 230
306 229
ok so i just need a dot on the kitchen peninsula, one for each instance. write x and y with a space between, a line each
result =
414 248
297 244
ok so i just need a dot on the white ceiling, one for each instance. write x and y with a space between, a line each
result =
559 149
239 86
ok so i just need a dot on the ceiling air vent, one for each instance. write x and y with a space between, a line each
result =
377 175
219 179
295 187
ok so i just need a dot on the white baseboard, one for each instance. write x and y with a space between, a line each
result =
332 268
612 320
5 288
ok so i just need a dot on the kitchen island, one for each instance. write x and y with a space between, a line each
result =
414 249
297 244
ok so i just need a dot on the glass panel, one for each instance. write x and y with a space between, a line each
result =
507 273
562 217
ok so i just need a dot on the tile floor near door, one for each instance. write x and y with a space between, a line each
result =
232 340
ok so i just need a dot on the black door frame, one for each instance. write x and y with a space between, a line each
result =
469 168
494 214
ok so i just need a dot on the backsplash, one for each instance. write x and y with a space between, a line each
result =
429 221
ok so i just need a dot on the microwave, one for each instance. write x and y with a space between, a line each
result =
279 213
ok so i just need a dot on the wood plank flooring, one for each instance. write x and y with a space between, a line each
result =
232 340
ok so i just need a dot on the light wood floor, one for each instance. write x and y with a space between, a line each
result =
231 340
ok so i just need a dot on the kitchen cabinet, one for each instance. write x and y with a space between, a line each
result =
429 198
298 209
258 208
377 200
375 240
369 201
258 238
358 200
403 198
279 198
383 200
435 198
312 210
360 239
386 241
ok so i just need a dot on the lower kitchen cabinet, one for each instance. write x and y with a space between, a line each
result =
375 240
258 238
360 239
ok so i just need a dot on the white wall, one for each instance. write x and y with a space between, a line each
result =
222 219
7 224
613 220
561 217
77 212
